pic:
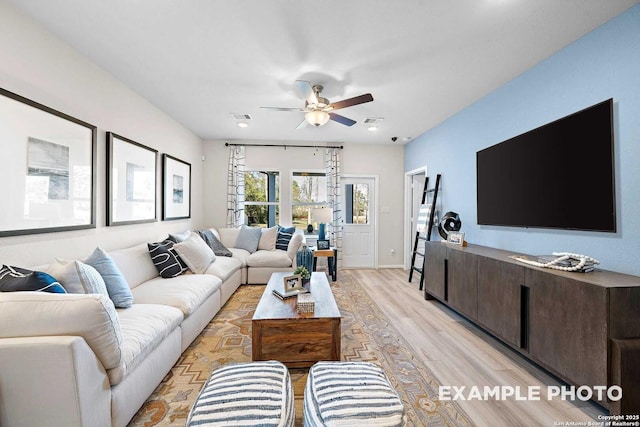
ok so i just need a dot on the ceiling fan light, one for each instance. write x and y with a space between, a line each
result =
316 118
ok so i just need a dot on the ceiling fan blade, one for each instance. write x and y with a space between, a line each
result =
342 119
306 90
367 97
303 124
283 109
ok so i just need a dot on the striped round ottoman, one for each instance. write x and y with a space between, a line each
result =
245 394
351 394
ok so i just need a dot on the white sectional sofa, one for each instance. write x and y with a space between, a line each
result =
76 360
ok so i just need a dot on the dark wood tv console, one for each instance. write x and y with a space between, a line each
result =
582 327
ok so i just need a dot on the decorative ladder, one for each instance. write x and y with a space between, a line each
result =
429 226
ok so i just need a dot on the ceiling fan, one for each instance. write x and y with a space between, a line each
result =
319 110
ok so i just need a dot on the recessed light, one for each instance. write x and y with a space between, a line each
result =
372 128
243 124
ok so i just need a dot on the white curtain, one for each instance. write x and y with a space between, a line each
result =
235 186
334 197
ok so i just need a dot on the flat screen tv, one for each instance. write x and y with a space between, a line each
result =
560 175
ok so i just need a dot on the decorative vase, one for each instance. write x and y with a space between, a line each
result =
304 258
321 235
310 228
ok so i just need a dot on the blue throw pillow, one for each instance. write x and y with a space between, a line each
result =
284 237
248 238
117 285
13 279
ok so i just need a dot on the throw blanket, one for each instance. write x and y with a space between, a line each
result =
210 239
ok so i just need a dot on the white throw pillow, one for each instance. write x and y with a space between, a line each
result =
195 253
268 239
77 277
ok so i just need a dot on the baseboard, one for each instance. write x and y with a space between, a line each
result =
391 266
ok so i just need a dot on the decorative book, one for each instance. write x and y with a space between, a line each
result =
284 295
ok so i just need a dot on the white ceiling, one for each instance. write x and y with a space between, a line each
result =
422 60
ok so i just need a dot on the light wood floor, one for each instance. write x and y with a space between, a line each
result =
460 354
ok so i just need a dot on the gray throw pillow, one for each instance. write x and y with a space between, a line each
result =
195 253
249 238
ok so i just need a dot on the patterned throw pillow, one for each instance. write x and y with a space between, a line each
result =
284 237
166 260
249 238
117 286
14 279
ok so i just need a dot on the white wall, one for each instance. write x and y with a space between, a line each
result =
383 161
40 67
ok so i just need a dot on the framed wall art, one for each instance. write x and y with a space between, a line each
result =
48 173
131 181
176 188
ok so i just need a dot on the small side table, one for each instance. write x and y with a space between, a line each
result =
332 260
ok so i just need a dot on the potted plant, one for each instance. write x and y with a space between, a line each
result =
304 274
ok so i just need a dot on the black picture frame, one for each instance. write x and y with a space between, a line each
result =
51 168
176 188
132 177
323 244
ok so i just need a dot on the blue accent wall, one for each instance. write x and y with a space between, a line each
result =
603 64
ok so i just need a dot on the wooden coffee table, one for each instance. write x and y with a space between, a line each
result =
279 332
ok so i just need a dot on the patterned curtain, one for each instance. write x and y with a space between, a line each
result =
235 186
334 197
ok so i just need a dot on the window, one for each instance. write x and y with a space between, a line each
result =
309 199
357 203
262 198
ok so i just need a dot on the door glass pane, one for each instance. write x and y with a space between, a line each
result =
357 203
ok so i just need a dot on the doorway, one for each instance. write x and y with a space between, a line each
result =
414 187
359 245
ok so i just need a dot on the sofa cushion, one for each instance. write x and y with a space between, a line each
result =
228 236
248 238
284 237
276 258
77 277
116 284
166 260
143 326
294 245
195 253
186 292
14 279
90 316
214 243
268 239
135 264
224 267
241 255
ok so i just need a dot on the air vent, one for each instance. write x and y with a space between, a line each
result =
241 116
373 120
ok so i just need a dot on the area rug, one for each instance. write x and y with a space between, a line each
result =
367 335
